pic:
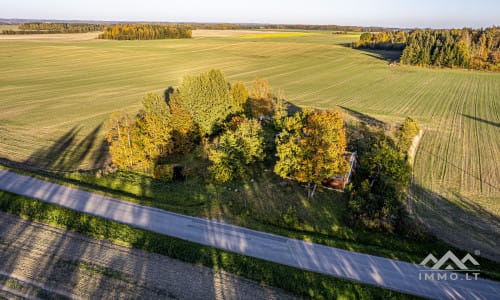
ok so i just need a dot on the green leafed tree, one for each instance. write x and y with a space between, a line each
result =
208 99
184 131
310 148
406 133
236 149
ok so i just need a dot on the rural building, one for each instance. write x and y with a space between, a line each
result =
339 182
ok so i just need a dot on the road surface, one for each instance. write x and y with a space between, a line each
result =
379 271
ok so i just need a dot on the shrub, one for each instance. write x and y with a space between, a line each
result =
164 172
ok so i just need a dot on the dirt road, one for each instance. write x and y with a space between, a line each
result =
40 261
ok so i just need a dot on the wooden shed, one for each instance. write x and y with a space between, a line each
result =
340 181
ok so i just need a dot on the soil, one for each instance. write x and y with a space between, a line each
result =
41 261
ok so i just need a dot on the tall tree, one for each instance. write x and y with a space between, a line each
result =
154 127
310 148
208 99
122 139
237 149
184 131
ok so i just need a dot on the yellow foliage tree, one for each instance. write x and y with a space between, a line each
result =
310 148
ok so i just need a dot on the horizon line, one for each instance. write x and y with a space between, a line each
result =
3 19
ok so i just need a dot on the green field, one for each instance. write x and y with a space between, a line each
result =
55 95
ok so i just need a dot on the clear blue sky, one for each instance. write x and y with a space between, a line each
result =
393 13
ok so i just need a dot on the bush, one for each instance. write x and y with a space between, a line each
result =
165 172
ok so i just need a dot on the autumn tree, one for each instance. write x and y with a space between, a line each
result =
122 136
236 149
261 101
239 92
138 143
153 123
207 98
310 148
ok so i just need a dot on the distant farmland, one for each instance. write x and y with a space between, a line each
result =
55 95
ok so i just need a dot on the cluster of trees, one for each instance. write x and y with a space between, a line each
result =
41 28
145 32
232 128
378 195
464 48
228 128
386 40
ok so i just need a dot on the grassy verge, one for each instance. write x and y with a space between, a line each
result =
299 282
270 207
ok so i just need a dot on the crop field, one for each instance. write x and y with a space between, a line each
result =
56 94
277 35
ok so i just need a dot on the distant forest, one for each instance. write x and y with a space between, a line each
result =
464 48
47 28
145 32
226 26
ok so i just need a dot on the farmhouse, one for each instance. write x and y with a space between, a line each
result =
339 182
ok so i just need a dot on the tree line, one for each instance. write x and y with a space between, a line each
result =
145 32
233 26
43 28
464 48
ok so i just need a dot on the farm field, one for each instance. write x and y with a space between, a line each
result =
55 95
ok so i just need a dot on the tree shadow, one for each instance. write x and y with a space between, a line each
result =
69 153
363 117
166 94
389 56
496 124
452 220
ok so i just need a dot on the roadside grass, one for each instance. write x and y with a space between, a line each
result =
301 283
271 206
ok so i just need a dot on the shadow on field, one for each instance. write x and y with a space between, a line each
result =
482 120
385 55
458 221
363 117
68 153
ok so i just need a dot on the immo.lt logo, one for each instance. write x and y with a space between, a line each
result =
446 267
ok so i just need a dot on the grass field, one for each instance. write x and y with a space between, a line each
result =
55 95
276 35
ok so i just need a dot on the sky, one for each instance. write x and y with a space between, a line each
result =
387 13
